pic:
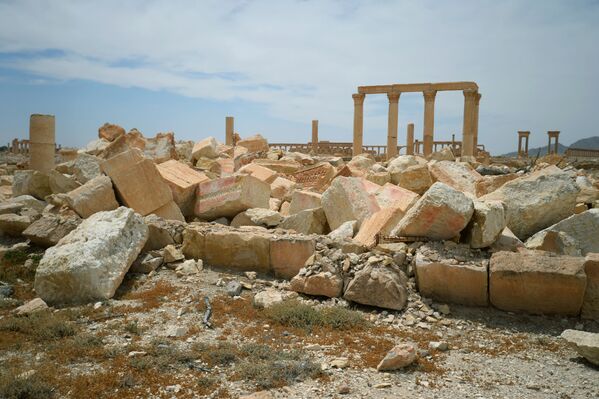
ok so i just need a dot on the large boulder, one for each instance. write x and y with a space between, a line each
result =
585 343
459 175
577 235
307 221
383 286
301 200
110 132
348 198
13 225
440 214
49 229
288 254
205 149
255 143
390 195
31 182
487 223
94 196
183 182
536 201
85 167
61 183
319 284
90 262
410 172
537 282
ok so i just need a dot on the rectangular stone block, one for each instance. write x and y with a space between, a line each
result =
259 172
390 195
282 188
288 254
590 304
317 177
301 200
242 249
169 211
183 182
381 222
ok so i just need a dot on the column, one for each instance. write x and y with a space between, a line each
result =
42 142
549 144
556 142
410 139
429 120
229 120
467 131
392 125
15 146
358 122
526 145
475 122
520 144
315 135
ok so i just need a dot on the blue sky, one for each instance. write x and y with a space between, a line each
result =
183 66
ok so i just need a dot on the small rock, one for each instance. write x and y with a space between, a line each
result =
340 362
400 356
233 288
172 254
585 343
189 267
343 389
438 345
176 331
32 306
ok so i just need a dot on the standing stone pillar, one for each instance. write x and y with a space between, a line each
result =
553 134
475 122
315 136
392 125
410 139
523 150
429 121
15 146
358 122
229 120
467 131
42 142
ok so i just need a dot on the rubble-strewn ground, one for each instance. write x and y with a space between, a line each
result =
150 342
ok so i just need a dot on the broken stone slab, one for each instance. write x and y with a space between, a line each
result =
282 188
378 178
190 267
243 249
255 143
301 200
110 132
589 191
206 148
459 175
183 182
487 223
316 177
320 284
90 262
27 201
410 172
361 162
61 183
536 201
488 184
85 167
14 225
590 304
380 286
266 298
259 172
31 182
50 229
442 278
537 282
390 195
288 254
274 204
10 207
576 235
229 196
379 223
444 155
507 241
346 230
170 211
400 356
280 166
348 199
94 196
264 217
307 221
171 254
440 214
585 343
146 263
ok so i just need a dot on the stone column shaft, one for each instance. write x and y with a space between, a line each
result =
475 122
467 131
42 142
410 139
229 128
392 125
358 122
429 121
315 135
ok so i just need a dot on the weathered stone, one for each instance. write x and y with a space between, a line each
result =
184 149
411 173
537 282
320 284
27 201
49 229
348 199
288 254
60 183
31 182
536 201
301 200
264 217
440 214
378 178
274 204
487 223
280 166
110 132
171 254
316 177
488 184
94 196
379 223
346 230
590 304
589 192
34 305
85 167
282 188
444 155
255 143
381 286
229 196
577 235
183 182
190 267
266 298
585 343
169 211
162 232
242 249
206 148
458 175
259 172
14 225
400 356
394 196
308 221
160 148
90 262
146 264
506 241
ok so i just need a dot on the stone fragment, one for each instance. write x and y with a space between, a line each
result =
49 229
316 177
381 286
34 305
258 395
27 201
488 184
233 288
308 221
90 262
85 167
146 264
589 192
411 173
169 211
94 196
110 132
487 223
320 284
380 223
576 235
348 199
346 230
160 148
274 204
444 155
506 241
440 214
585 343
537 282
394 196
459 175
206 148
590 304
14 225
536 201
183 182
171 254
229 196
190 267
280 166
266 298
288 254
31 182
301 200
259 172
60 183
282 188
255 143
400 356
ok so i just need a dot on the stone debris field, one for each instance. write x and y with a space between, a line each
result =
145 267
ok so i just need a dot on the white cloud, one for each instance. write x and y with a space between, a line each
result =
535 63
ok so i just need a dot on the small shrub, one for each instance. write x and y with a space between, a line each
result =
14 387
300 315
41 326
277 373
132 327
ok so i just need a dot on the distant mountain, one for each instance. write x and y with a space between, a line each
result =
590 143
532 152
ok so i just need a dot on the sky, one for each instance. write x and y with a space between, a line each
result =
183 66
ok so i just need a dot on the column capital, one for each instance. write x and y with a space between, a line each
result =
523 132
470 94
393 97
358 98
429 95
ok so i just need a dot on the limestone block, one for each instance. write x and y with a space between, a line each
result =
391 195
536 201
284 209
289 253
459 175
90 262
440 214
242 249
259 172
585 343
183 149
227 166
282 188
361 162
169 211
319 284
488 184
537 282
160 148
110 132
576 235
137 181
345 231
60 183
348 199
381 222
308 221
301 200
590 304
206 148
280 166
507 241
316 177
274 204
31 182
49 229
229 196
379 178
194 240
94 196
183 182
410 172
255 143
13 225
85 167
381 286
589 191
487 223
162 232
444 155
